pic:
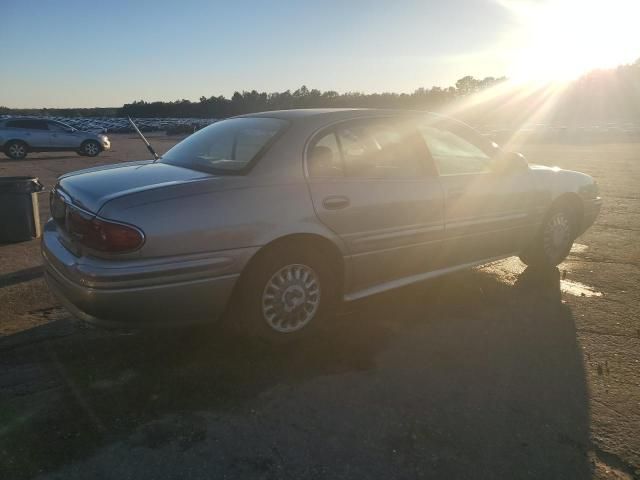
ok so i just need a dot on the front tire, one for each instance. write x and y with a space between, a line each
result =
90 148
287 294
554 239
16 150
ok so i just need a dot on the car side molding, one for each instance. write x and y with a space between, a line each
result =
403 282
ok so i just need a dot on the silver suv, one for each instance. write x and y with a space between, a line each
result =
19 136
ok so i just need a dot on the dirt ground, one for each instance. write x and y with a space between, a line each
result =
499 372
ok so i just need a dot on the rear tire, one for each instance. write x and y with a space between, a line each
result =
554 240
16 150
287 294
90 148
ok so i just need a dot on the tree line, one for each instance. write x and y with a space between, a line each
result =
606 95
254 101
598 97
303 97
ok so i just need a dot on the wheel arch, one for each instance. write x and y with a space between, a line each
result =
10 140
324 246
573 201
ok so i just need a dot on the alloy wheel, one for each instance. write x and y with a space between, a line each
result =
557 237
91 149
17 151
291 298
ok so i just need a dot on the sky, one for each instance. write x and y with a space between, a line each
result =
69 53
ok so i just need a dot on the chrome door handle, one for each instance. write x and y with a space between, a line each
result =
335 202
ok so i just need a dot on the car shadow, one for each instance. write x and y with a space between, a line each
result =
24 275
485 378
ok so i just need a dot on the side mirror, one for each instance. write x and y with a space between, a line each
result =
510 162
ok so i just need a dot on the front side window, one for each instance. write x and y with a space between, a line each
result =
59 127
226 146
380 149
452 154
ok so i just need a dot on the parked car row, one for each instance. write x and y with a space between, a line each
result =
122 125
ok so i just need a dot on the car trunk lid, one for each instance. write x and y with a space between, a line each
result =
90 189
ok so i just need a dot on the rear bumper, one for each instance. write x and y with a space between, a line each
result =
166 305
141 293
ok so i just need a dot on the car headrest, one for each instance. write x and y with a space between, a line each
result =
320 160
321 154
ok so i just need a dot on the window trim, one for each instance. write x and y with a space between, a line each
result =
429 169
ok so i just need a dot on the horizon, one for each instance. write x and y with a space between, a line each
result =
203 49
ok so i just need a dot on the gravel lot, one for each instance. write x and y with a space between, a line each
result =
499 372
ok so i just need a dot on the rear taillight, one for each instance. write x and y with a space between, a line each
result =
103 235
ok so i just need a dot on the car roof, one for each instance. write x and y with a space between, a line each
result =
299 114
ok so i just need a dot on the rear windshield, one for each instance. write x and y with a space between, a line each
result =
226 146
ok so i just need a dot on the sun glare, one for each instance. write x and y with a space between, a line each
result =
560 40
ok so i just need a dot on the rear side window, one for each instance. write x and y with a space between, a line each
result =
28 124
226 146
324 159
380 149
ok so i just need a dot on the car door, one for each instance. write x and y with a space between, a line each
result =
487 213
371 185
63 136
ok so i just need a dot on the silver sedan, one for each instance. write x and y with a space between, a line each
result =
270 220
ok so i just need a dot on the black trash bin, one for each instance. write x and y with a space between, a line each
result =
19 214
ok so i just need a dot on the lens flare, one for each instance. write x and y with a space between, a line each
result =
560 40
